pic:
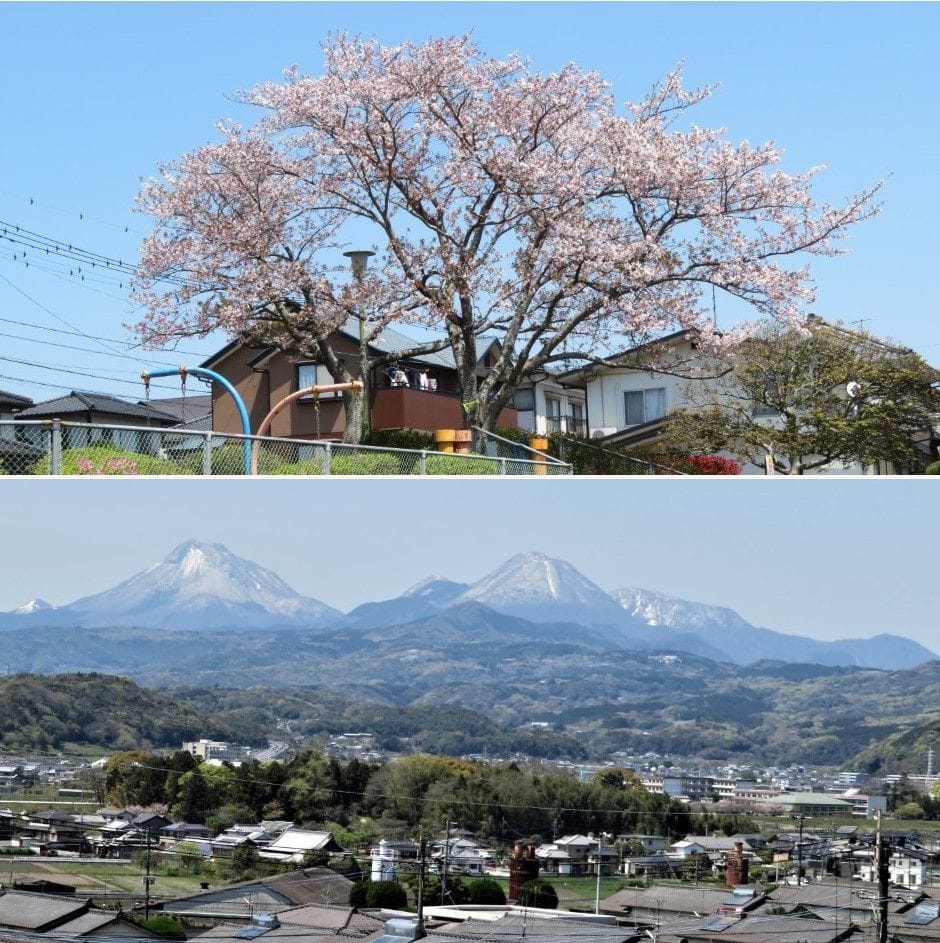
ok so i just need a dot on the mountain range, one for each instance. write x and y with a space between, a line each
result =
203 587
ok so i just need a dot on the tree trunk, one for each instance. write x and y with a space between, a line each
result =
353 410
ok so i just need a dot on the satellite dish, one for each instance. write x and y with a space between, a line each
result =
853 388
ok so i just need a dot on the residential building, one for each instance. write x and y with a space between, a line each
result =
294 843
461 856
627 404
419 392
546 405
64 918
97 410
207 750
394 856
274 894
577 854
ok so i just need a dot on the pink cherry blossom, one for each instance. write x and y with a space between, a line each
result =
502 200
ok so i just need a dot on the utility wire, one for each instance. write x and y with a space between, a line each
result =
115 340
74 214
48 311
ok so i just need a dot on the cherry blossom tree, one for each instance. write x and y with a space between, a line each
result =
503 202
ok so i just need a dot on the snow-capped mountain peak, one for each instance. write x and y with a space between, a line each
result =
536 586
202 584
658 609
34 605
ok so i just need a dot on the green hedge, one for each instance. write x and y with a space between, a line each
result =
109 460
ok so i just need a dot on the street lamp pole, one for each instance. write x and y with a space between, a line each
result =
359 261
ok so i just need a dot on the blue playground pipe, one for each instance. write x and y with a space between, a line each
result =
218 378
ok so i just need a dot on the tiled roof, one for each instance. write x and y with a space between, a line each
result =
78 402
14 399
20 910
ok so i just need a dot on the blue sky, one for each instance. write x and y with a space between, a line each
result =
93 96
828 559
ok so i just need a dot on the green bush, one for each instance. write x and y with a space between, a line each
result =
366 463
166 927
387 894
516 435
447 464
109 460
932 469
359 892
400 439
485 891
538 893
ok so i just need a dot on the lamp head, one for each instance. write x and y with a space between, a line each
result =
359 258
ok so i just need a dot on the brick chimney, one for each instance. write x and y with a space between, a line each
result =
523 867
736 868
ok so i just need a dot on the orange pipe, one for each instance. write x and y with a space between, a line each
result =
353 385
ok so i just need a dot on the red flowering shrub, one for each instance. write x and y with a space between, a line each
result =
710 465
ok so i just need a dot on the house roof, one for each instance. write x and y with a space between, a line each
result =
303 886
668 898
79 402
186 409
14 399
97 920
387 341
623 359
294 840
764 929
22 910
512 927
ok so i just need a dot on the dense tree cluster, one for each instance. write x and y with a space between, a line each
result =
362 802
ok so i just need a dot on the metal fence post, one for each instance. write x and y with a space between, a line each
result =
502 466
423 462
329 458
207 453
55 458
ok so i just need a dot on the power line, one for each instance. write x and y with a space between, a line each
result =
59 386
87 350
42 307
75 214
58 330
49 245
80 373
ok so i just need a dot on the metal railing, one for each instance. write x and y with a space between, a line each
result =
589 459
497 446
54 447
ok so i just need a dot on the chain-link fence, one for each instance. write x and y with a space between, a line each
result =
586 458
53 447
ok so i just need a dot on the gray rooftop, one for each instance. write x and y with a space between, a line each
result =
78 403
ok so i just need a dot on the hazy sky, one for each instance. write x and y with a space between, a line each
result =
94 96
827 559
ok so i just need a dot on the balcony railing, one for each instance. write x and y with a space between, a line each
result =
570 425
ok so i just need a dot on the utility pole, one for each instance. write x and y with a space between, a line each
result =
597 889
420 932
799 856
147 881
446 862
881 862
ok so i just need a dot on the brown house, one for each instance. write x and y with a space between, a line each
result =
411 393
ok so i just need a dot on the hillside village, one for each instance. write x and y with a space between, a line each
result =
816 880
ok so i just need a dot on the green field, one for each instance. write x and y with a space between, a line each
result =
97 878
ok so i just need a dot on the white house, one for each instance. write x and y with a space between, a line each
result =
294 843
394 856
627 404
548 404
461 856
